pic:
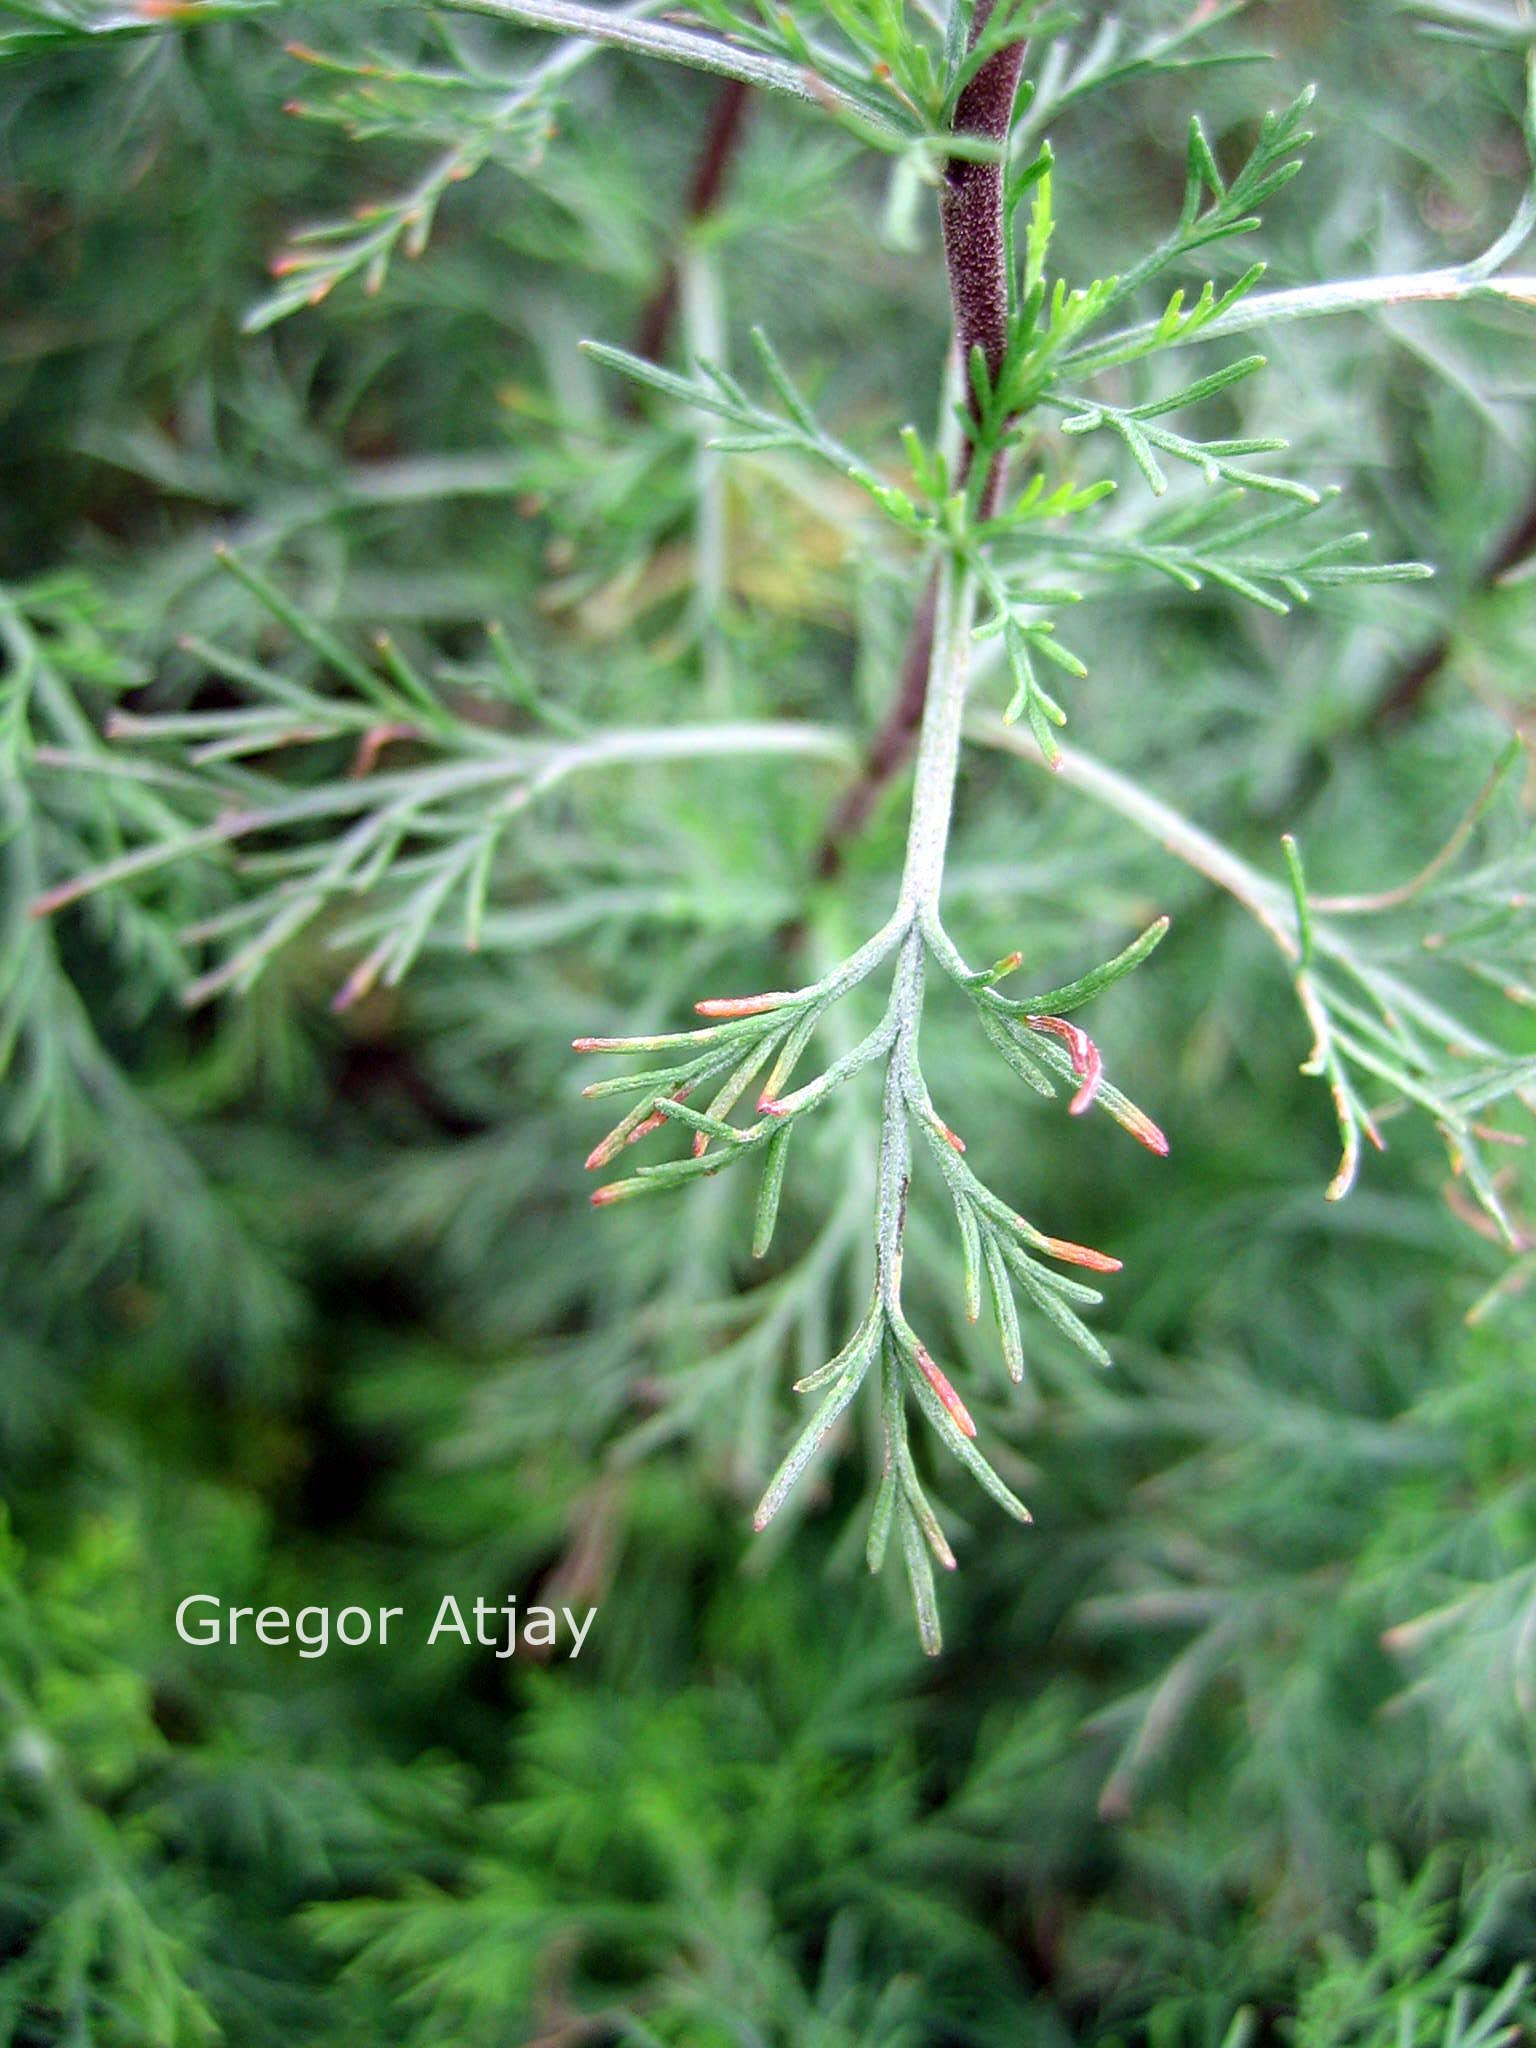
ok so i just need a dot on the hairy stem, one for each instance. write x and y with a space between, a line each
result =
933 796
894 1173
1310 302
938 754
529 770
891 744
709 601
1265 900
698 49
971 213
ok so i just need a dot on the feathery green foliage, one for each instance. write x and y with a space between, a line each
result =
552 605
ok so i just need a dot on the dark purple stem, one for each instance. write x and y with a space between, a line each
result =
971 212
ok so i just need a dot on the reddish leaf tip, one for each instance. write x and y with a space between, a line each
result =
1145 1132
1081 1255
958 1413
356 985
738 1006
1086 1062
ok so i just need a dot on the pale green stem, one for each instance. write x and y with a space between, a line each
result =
1265 900
532 770
933 797
699 51
704 334
938 748
895 1166
1312 302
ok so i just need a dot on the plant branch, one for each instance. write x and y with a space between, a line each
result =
938 755
699 51
972 217
1405 892
745 1032
530 769
1265 900
1311 302
1398 1044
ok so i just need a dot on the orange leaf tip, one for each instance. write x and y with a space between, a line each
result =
356 985
1080 1255
958 1413
742 1006
1145 1132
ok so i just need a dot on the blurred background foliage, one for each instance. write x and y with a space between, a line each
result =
1235 1745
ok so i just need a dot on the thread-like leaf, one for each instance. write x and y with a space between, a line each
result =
809 1442
1006 1310
770 1189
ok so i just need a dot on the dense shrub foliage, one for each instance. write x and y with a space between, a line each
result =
500 548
